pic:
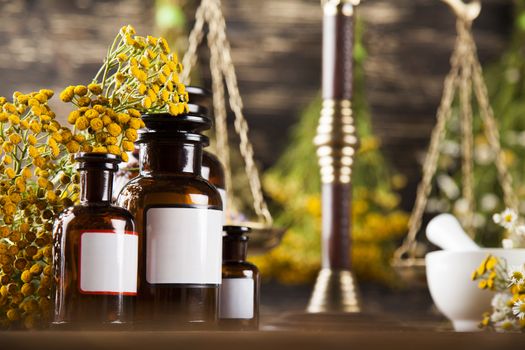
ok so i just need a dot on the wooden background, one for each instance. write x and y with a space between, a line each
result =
276 48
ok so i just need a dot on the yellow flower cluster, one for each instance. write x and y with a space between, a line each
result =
508 303
139 76
35 185
376 227
486 273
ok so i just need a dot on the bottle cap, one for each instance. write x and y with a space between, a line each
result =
90 160
236 232
167 127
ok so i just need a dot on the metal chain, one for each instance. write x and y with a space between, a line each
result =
219 108
467 143
210 11
241 126
492 133
430 164
196 35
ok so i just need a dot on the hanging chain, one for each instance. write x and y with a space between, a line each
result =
196 35
210 11
219 108
467 143
430 164
492 133
241 126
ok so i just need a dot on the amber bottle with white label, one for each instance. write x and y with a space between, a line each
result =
179 220
239 303
95 252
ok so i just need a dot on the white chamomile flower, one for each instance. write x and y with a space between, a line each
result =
508 218
516 275
519 309
505 325
496 218
500 301
498 316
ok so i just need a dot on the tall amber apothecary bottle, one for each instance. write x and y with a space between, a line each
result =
95 249
179 220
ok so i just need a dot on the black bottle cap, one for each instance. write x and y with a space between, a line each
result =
189 122
168 127
92 160
236 232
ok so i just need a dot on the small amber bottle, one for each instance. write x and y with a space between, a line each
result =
239 305
179 220
95 250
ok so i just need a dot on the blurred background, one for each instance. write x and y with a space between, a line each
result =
402 55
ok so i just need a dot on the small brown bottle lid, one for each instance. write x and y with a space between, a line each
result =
89 160
237 233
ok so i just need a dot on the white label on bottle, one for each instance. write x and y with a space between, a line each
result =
183 245
237 297
108 262
222 192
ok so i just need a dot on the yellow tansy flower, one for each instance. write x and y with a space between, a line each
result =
128 146
113 149
82 123
67 94
95 88
146 102
96 124
10 172
114 129
131 134
80 90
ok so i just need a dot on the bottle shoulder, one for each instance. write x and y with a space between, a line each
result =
215 172
173 188
239 266
96 217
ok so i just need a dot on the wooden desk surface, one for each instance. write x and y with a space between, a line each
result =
288 331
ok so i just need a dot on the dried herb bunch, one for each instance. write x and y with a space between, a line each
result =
139 75
36 183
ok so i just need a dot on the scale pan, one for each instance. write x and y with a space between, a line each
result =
263 238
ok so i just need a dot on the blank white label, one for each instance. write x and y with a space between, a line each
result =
108 262
237 295
183 246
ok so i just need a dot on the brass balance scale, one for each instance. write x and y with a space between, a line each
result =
336 140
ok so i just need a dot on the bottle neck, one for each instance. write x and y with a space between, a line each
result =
234 250
170 158
96 186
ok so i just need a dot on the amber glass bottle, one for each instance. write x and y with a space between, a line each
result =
239 304
95 252
179 220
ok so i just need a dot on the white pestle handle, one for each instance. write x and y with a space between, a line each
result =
446 232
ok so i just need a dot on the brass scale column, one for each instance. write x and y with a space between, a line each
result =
336 143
